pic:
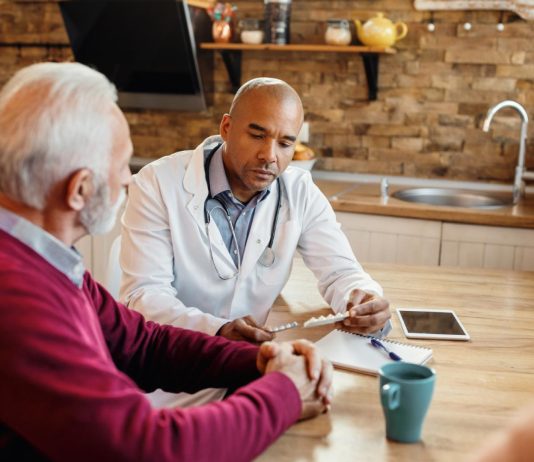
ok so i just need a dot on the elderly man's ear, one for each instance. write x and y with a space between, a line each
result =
79 189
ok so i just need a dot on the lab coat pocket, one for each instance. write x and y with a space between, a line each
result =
284 246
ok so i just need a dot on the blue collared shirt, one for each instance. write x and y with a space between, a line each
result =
241 215
65 259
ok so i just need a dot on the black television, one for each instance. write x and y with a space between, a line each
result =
147 48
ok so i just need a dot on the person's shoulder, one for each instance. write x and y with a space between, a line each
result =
165 165
297 181
29 284
17 260
295 175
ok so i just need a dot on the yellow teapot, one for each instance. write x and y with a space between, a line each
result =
380 31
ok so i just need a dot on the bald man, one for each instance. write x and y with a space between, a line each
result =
209 234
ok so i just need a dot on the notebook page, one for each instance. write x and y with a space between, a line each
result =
354 352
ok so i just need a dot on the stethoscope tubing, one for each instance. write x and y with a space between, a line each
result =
269 249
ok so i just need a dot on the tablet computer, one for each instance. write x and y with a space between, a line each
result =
426 323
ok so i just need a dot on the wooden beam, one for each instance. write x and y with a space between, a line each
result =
202 3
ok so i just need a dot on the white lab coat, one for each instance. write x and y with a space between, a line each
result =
168 274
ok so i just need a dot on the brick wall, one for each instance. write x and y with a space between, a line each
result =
433 94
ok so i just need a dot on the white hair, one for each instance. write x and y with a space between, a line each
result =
55 118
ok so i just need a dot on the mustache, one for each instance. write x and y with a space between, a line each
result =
268 168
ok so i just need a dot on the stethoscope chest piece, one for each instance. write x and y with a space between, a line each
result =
267 257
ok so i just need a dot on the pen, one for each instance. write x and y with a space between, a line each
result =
378 344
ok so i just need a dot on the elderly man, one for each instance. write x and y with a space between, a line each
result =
209 235
74 362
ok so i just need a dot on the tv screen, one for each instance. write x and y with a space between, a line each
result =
147 48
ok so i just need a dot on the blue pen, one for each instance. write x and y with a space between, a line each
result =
378 344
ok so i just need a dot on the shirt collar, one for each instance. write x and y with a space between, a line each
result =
219 181
65 259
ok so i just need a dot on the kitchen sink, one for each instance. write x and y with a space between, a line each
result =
452 198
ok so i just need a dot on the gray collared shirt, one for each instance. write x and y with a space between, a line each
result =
65 259
241 215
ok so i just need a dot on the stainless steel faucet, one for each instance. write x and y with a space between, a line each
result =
384 188
521 173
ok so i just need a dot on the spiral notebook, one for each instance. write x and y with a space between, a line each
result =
354 352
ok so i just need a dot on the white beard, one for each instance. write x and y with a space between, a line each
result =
99 216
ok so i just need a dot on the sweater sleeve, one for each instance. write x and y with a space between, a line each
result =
61 393
166 357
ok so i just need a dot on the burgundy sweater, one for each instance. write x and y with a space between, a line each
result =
74 364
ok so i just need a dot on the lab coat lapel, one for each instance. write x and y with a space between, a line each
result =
195 184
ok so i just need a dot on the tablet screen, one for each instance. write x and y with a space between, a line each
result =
431 322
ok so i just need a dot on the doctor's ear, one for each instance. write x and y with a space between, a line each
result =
225 126
79 189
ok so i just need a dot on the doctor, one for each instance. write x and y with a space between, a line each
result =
209 235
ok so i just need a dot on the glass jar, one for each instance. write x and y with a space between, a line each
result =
338 32
251 31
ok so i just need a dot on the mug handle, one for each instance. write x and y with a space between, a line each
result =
390 396
402 30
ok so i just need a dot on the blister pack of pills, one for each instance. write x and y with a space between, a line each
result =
312 322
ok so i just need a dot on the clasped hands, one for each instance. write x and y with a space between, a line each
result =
300 361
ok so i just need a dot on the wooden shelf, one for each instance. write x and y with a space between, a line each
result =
297 47
232 54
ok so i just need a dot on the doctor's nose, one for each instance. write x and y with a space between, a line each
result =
268 152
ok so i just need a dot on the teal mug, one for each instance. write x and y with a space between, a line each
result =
405 392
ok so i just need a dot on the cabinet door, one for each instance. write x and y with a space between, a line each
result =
487 247
383 239
101 249
95 250
85 247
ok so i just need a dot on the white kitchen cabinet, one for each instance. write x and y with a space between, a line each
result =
487 247
85 247
376 238
95 250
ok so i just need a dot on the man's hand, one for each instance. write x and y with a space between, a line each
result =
367 313
245 329
301 362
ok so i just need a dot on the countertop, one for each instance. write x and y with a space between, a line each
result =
480 384
362 195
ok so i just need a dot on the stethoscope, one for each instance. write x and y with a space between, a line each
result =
267 257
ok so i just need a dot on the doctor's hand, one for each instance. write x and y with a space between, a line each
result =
245 329
318 370
367 312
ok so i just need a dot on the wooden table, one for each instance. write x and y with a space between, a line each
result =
480 384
